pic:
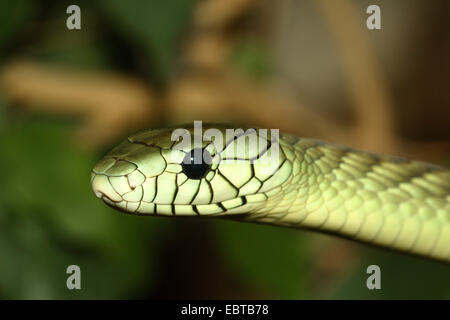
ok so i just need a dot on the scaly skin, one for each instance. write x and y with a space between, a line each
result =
381 200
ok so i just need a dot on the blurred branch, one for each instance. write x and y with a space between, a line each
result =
219 13
228 96
110 103
371 101
207 51
113 104
375 122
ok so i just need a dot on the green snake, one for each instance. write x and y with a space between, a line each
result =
376 199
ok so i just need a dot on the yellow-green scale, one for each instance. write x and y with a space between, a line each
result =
382 200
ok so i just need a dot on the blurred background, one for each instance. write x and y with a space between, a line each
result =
307 67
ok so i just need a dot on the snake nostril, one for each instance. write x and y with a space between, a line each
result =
98 194
103 189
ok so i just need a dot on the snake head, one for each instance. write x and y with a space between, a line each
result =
184 171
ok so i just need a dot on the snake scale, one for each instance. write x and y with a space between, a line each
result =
376 199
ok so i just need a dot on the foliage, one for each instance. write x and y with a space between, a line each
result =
156 26
49 219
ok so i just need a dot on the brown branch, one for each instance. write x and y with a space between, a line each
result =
230 97
111 103
219 13
370 99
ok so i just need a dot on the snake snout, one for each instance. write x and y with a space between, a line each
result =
103 189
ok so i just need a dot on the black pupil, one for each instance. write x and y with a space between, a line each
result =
196 163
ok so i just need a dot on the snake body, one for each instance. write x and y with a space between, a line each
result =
376 199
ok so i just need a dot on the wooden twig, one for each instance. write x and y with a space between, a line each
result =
370 99
110 102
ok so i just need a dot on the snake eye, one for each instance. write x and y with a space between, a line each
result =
196 163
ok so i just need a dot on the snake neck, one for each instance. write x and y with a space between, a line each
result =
381 200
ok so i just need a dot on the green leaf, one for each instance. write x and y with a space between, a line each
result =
13 16
2 111
402 277
156 25
272 259
49 219
252 58
80 49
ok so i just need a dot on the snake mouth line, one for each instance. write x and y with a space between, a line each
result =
111 204
105 198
